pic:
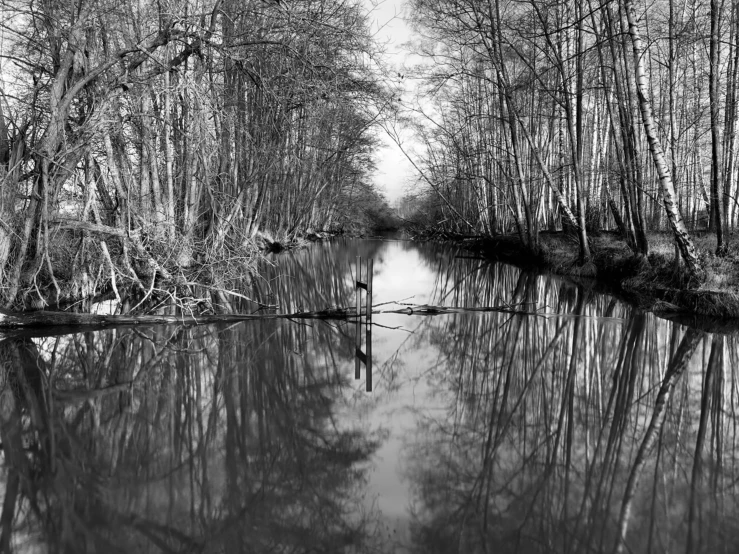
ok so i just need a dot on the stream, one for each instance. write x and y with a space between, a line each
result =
585 425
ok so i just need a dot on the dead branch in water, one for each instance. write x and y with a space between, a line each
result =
75 321
426 309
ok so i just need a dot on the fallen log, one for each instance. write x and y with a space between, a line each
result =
42 318
9 320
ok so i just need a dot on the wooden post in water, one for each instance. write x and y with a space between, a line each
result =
368 322
359 355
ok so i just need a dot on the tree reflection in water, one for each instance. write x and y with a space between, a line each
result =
600 429
605 430
179 440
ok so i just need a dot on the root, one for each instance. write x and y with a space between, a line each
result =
106 254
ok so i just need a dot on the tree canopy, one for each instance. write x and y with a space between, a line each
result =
155 135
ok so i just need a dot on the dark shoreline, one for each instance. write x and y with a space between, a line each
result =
621 275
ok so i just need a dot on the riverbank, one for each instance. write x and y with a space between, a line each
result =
87 263
656 284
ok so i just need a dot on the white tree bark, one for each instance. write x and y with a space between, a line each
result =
684 242
678 363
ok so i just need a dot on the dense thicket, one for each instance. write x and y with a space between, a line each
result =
586 115
139 137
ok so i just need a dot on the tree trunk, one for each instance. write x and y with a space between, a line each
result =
678 363
685 243
717 211
169 202
729 139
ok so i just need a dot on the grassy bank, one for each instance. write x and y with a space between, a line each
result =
657 284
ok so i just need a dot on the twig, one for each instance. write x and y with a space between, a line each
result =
401 301
398 328
232 293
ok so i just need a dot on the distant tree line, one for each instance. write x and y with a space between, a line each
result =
583 115
138 137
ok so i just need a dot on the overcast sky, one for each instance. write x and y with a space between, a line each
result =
394 171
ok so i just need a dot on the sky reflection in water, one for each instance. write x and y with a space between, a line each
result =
607 430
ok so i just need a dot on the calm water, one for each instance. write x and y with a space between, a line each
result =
593 427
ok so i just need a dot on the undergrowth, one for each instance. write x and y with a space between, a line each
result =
660 279
79 269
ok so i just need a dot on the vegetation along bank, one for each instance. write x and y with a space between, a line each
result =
602 135
155 146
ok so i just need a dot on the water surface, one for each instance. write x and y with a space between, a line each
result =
587 426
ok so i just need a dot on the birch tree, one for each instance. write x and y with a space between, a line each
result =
669 197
